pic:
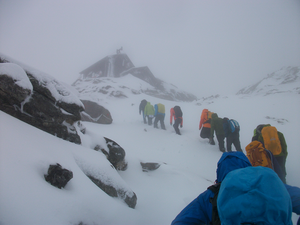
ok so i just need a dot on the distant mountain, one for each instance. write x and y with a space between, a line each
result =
116 76
285 80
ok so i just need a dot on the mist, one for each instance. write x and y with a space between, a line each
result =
215 47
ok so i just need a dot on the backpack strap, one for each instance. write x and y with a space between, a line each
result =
215 219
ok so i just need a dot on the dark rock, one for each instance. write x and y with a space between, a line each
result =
58 176
129 198
149 166
11 93
95 113
116 154
39 108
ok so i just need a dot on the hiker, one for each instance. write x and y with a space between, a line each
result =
274 141
217 126
149 112
232 134
259 156
159 114
141 109
177 114
232 165
205 120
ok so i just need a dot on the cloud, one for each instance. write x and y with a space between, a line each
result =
199 46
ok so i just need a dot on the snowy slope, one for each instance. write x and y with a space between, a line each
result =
285 80
188 163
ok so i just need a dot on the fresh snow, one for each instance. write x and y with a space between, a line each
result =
188 163
17 73
59 90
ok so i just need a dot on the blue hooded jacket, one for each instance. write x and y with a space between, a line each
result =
199 211
248 195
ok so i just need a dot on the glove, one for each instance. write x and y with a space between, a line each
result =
171 124
180 126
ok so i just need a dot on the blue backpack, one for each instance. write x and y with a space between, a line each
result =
234 125
253 195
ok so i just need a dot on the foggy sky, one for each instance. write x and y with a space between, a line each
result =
203 47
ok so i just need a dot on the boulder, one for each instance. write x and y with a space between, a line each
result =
38 106
115 155
58 176
128 197
95 113
149 166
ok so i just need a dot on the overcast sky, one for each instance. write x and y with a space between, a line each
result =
204 47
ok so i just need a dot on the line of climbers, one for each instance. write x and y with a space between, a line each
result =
249 189
267 148
158 112
224 128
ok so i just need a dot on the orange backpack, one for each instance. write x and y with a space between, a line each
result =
257 155
271 139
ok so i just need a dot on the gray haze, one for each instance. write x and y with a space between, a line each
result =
204 47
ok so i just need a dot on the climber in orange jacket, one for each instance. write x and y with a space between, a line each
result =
205 121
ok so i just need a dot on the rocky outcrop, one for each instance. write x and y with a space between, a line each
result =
95 113
106 177
149 166
115 154
129 198
42 105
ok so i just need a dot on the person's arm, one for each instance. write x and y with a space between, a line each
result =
295 197
198 212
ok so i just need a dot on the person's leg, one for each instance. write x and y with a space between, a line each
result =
176 125
156 121
281 161
150 120
205 132
221 142
162 123
144 118
229 141
236 141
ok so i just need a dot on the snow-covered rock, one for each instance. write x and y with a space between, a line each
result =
285 80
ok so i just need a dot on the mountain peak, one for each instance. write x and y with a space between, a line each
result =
285 80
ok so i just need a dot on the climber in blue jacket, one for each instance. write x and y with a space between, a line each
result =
199 211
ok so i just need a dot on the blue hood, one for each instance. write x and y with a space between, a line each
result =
231 161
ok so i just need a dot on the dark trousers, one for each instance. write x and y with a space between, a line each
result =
160 118
233 138
281 161
205 132
220 139
150 117
144 118
176 125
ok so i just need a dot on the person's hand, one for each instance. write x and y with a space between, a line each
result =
180 126
171 124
